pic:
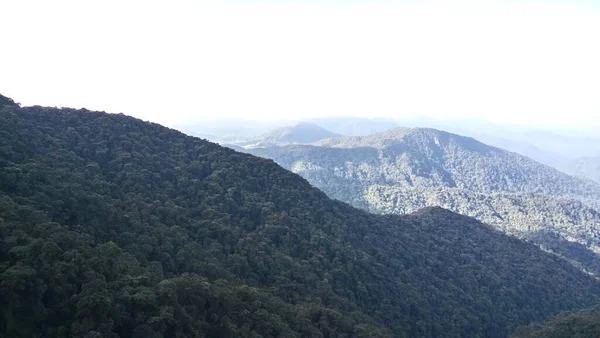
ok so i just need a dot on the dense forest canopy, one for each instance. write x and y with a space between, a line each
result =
582 324
115 227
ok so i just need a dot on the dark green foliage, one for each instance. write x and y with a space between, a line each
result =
583 324
110 226
7 101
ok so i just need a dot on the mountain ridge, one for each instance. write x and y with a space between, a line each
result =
423 148
414 168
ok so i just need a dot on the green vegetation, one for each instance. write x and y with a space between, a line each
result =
114 227
583 324
403 170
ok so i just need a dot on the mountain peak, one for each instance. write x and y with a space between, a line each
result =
423 137
303 132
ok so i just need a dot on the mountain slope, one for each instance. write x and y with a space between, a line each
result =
405 169
549 147
582 324
565 226
110 226
585 167
431 158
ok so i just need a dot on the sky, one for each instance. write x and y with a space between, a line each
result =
173 62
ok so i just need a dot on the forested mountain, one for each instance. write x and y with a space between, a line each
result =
585 167
114 227
430 158
405 169
545 146
524 148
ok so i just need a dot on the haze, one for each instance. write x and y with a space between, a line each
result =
174 62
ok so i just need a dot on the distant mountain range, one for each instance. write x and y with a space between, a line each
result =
300 133
307 131
558 149
405 169
555 148
231 131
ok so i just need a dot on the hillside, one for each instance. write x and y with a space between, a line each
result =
582 324
565 226
585 167
404 169
114 227
431 158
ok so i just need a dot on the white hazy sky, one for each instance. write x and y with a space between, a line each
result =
530 62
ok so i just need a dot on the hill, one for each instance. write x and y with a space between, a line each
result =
405 169
114 227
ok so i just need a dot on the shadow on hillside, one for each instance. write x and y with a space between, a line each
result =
577 253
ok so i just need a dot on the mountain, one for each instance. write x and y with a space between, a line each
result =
405 169
553 148
115 227
230 131
585 167
429 157
354 126
301 133
234 135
